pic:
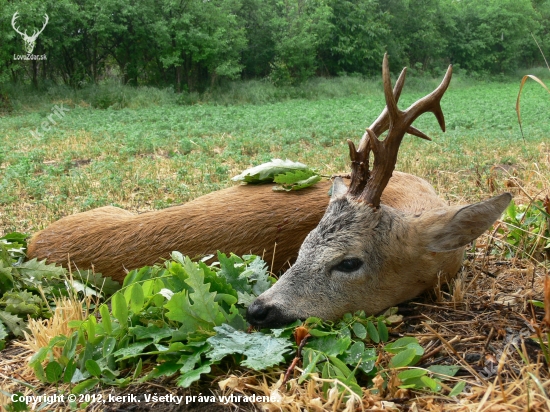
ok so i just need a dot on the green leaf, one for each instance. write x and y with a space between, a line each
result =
120 309
320 333
340 365
106 285
194 375
14 323
383 331
403 358
373 332
93 368
106 319
18 405
296 180
136 298
431 383
190 361
459 387
232 274
315 356
266 172
3 331
261 351
330 345
198 310
355 353
444 371
53 372
40 269
165 369
6 278
70 370
69 348
359 330
131 351
85 386
151 332
411 374
139 367
109 345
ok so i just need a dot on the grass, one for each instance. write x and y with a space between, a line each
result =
161 154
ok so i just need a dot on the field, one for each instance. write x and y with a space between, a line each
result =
149 151
155 155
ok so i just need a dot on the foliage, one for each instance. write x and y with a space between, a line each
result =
29 288
288 174
185 319
168 314
194 45
528 229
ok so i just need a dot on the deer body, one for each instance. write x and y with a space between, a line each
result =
240 219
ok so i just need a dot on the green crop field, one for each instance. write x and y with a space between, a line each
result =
155 153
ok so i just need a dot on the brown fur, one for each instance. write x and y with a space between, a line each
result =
240 219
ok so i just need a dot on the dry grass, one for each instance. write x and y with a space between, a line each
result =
488 331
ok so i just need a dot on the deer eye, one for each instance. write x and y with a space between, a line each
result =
348 265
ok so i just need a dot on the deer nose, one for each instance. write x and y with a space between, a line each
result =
257 313
266 315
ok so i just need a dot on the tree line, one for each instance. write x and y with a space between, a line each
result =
194 44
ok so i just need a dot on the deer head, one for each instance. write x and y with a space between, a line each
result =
364 255
30 41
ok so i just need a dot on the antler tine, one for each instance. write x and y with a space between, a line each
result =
13 19
430 103
382 123
391 103
367 185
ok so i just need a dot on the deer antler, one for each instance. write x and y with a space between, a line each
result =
35 34
13 19
367 185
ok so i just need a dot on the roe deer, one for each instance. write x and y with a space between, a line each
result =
240 219
366 254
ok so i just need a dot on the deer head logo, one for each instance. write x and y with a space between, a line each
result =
30 41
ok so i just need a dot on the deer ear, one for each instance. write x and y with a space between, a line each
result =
338 189
458 228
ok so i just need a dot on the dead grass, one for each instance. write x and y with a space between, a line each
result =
482 322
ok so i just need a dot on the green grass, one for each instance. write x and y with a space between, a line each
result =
156 152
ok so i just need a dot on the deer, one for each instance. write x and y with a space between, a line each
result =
240 219
368 255
30 41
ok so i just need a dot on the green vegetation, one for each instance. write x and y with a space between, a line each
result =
194 45
154 154
29 289
186 319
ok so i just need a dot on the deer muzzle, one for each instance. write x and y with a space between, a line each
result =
264 314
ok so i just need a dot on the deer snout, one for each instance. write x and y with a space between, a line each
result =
263 314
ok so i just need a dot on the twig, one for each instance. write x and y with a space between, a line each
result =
458 357
296 359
